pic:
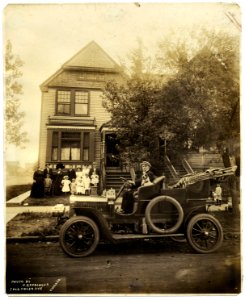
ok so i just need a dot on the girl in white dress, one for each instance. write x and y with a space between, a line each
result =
65 184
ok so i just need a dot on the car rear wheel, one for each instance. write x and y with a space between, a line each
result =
79 236
164 214
204 233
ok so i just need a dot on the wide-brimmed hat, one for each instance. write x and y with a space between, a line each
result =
145 163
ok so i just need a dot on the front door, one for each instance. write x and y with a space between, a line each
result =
112 150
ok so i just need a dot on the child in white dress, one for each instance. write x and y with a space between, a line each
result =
80 186
94 179
86 184
65 184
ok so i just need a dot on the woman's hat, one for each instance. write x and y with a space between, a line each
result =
146 163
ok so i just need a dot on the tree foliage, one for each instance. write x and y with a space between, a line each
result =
130 106
13 90
206 92
197 105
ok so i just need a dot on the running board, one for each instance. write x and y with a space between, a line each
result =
118 236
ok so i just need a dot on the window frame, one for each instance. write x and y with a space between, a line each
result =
72 112
60 103
81 140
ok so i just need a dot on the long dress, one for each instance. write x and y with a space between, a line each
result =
37 190
57 183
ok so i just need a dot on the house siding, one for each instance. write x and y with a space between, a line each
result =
74 75
47 109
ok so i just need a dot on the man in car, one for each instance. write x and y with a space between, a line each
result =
128 196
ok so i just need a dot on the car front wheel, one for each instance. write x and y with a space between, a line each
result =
79 236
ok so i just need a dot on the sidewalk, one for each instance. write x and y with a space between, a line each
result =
19 199
15 206
11 212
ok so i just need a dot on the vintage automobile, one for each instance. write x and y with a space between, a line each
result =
178 212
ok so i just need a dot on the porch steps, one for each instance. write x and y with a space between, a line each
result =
113 179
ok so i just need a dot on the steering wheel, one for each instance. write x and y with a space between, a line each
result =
124 179
125 183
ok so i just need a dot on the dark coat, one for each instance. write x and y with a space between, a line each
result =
58 176
37 190
48 171
128 196
71 174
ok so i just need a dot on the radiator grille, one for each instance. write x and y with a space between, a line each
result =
100 206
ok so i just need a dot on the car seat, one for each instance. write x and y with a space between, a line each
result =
151 191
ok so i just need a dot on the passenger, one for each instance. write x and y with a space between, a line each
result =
128 196
218 194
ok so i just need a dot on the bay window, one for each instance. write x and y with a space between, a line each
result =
71 146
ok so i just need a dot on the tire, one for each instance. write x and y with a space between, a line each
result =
179 239
170 214
79 236
204 233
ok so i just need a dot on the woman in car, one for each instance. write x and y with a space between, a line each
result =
128 196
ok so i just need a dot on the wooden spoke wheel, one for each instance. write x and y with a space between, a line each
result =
79 236
204 233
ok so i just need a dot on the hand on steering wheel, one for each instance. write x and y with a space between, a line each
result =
126 180
129 182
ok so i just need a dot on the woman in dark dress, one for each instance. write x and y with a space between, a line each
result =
37 190
57 178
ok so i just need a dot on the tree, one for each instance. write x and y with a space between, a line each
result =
13 89
197 106
130 106
206 90
206 87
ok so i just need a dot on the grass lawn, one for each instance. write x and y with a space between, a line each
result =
32 224
16 190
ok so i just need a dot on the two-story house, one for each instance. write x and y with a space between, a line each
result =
73 127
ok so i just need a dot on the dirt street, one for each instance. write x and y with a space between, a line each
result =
131 268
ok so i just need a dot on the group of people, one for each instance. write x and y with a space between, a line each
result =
49 182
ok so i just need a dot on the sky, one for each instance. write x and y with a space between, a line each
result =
46 35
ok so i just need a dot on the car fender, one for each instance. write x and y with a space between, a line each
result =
193 211
97 217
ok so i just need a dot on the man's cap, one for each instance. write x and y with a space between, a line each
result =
145 163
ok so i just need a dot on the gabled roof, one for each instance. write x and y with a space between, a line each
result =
90 58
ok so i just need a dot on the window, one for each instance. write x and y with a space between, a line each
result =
73 103
81 103
63 102
71 146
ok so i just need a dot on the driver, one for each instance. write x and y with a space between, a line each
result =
128 196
